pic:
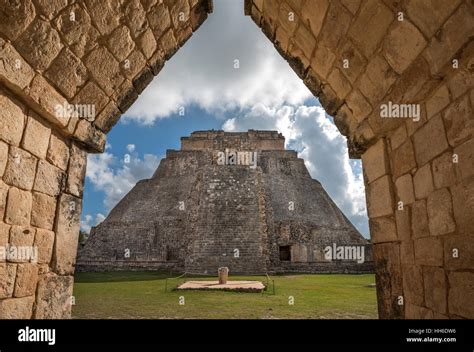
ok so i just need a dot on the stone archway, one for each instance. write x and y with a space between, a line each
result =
95 53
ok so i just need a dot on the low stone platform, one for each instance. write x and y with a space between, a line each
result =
237 286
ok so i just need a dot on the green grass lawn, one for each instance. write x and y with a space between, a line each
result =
142 295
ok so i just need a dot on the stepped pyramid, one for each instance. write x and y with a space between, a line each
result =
226 199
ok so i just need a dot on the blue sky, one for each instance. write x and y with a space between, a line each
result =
202 81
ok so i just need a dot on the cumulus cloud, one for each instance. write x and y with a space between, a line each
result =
117 177
227 64
88 221
319 143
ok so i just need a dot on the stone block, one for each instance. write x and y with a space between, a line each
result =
440 212
423 182
49 179
459 122
463 205
90 136
108 117
419 219
3 198
43 211
15 17
159 20
67 227
135 17
67 72
179 13
383 230
403 221
91 95
120 43
77 171
379 198
36 139
136 62
53 297
44 241
105 14
461 294
407 253
430 141
26 279
313 13
443 170
404 186
403 44
322 60
335 25
16 308
13 67
147 43
58 152
80 35
370 26
12 121
50 8
3 157
458 252
429 251
388 275
416 312
356 62
417 10
21 167
378 79
39 44
403 159
358 105
49 100
456 29
435 284
105 69
339 83
438 101
18 207
168 44
22 238
412 284
7 279
305 41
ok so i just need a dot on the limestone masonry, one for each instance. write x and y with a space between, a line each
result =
211 204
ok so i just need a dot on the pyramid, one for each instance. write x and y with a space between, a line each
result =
235 199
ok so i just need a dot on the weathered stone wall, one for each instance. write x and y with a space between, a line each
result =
419 175
95 55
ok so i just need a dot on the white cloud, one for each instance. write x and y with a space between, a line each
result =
202 72
323 148
131 148
117 177
89 221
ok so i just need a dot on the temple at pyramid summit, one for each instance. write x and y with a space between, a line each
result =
234 199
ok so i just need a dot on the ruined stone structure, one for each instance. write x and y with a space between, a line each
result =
355 55
198 213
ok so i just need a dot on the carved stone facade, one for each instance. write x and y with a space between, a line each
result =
238 200
355 55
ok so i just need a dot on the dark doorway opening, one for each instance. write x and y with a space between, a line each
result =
285 253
